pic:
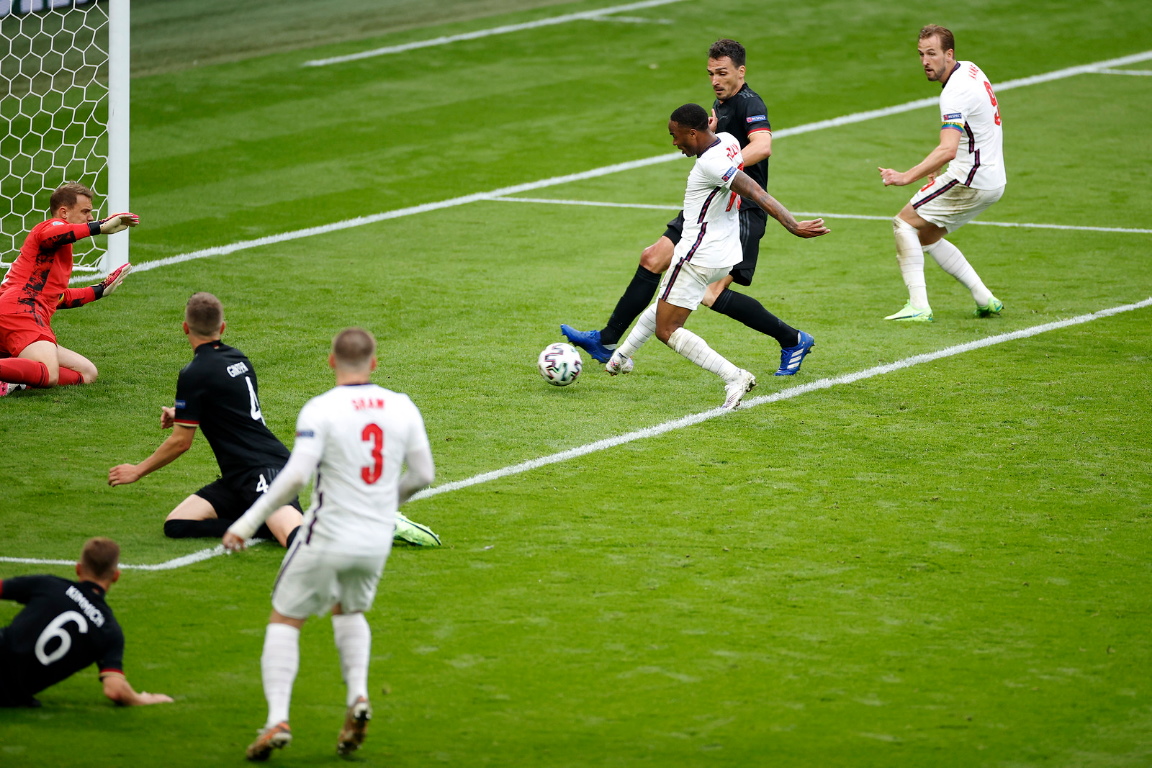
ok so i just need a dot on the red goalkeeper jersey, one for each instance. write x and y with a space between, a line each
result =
37 283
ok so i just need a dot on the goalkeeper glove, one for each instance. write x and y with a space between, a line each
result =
112 281
118 222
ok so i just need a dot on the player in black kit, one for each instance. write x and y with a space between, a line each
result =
64 627
738 110
217 392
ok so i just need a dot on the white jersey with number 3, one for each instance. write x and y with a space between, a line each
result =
969 105
360 434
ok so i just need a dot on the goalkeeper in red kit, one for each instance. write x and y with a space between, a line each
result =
37 285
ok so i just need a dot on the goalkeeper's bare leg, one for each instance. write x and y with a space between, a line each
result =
43 364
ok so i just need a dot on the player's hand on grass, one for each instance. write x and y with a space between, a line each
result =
118 222
123 474
232 542
812 228
167 417
154 698
114 278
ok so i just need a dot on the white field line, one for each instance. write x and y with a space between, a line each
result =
179 562
784 394
1137 72
594 173
631 20
807 214
593 15
686 421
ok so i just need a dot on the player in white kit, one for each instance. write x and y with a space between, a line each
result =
972 144
356 439
708 249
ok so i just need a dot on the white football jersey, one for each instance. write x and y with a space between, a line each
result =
969 105
360 434
711 209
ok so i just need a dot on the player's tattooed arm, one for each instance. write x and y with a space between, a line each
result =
748 189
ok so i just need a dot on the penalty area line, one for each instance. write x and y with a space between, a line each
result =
836 122
669 426
806 214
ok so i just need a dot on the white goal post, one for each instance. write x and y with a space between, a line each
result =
64 116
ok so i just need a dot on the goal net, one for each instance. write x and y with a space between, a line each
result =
63 116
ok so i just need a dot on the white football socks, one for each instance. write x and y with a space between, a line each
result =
910 256
642 331
354 641
279 664
697 350
952 261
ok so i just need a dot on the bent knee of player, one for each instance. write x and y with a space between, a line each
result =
657 257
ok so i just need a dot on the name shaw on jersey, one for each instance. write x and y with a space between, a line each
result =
92 612
364 403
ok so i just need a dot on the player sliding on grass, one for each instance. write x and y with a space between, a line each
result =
66 626
356 440
971 143
36 286
708 250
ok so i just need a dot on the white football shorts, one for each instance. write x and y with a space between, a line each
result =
949 204
684 284
312 581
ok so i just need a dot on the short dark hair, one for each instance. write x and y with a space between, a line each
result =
204 314
730 48
947 41
353 348
100 557
691 116
65 196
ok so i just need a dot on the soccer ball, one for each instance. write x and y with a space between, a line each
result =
559 364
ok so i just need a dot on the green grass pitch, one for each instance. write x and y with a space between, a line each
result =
945 564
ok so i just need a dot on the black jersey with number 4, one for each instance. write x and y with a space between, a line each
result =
741 115
217 392
64 627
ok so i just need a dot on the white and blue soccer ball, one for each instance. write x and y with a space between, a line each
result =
559 364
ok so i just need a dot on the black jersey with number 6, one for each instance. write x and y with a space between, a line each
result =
64 627
217 392
741 115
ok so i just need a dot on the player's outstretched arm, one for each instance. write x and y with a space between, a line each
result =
171 449
118 222
78 297
944 153
743 185
117 688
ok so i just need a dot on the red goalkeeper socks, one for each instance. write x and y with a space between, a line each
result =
16 370
19 371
